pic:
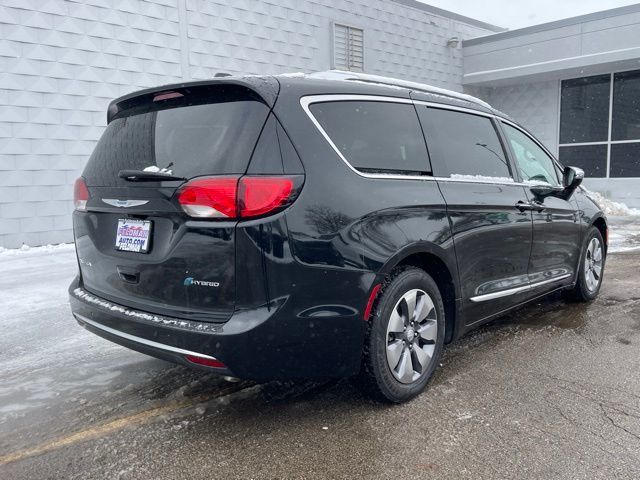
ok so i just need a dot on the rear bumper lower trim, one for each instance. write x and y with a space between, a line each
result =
140 340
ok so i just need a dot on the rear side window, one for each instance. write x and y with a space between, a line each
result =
194 140
375 137
463 145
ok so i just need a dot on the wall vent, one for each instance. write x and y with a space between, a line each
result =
348 48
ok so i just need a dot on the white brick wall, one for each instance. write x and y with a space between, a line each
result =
294 35
62 61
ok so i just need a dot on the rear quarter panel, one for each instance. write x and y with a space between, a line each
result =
343 222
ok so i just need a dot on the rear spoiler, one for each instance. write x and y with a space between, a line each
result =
266 88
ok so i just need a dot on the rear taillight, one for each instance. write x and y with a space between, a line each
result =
210 197
80 195
260 195
237 197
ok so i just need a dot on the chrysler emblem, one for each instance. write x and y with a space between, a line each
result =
124 203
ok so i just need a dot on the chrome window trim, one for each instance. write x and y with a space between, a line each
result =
513 291
141 340
308 100
444 106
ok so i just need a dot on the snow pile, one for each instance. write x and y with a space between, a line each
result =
293 75
609 207
535 183
27 250
481 178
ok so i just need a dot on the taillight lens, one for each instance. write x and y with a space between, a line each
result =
80 195
210 197
260 195
237 197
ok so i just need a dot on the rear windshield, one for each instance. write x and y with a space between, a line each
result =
190 141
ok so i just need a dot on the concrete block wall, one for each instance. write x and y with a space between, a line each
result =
532 104
295 35
62 61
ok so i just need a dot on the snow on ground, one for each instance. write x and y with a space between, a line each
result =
624 233
27 250
624 223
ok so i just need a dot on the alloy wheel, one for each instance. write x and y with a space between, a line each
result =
411 336
593 264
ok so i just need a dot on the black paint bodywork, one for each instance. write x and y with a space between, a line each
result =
295 285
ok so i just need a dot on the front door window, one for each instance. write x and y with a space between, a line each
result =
533 163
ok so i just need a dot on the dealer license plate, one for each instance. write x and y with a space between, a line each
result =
133 235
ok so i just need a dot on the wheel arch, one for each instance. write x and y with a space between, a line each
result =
600 222
433 260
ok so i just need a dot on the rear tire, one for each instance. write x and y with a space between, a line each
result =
405 336
590 268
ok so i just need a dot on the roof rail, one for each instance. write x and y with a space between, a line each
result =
394 82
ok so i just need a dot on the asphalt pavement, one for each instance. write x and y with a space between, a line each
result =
550 391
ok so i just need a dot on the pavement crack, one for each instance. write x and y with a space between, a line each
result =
608 416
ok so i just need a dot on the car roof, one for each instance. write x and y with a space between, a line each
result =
332 82
341 82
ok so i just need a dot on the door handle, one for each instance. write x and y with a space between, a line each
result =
530 206
128 275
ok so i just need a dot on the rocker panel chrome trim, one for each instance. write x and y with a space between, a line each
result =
513 291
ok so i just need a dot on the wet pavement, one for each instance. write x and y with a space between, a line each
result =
551 391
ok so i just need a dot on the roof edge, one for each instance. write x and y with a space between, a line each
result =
448 14
565 22
390 82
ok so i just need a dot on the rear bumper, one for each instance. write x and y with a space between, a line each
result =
265 343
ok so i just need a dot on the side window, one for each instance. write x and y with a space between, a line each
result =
463 145
375 137
532 161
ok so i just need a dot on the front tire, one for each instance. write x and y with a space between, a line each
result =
590 268
405 336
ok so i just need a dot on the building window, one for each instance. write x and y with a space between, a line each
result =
584 112
600 124
626 106
348 48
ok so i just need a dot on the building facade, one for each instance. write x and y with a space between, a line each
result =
573 83
62 61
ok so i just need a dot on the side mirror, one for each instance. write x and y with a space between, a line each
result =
543 191
571 179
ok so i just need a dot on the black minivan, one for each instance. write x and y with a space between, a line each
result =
321 226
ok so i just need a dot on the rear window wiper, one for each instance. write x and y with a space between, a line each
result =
146 176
